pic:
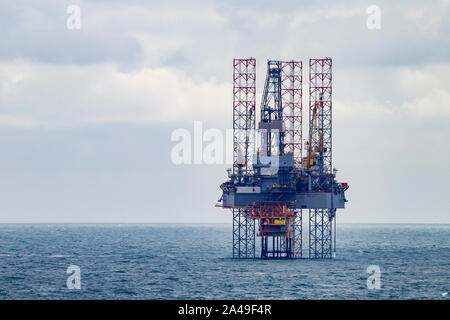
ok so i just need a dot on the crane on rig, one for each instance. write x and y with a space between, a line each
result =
308 161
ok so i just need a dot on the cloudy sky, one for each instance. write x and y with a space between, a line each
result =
86 115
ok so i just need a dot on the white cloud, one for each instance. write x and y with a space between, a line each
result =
433 105
17 122
404 93
428 19
34 94
66 96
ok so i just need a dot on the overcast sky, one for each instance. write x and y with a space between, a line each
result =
86 115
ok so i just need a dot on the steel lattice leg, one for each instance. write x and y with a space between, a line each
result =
320 233
236 228
250 235
243 234
297 238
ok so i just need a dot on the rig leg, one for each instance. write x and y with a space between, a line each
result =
263 247
243 234
250 225
297 232
320 233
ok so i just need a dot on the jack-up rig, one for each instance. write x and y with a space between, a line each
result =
274 185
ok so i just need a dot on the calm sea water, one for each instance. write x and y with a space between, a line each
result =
162 261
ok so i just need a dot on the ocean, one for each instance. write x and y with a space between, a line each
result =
193 261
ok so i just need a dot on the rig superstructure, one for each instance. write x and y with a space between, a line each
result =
272 184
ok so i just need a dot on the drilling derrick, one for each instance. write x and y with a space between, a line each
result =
275 216
271 185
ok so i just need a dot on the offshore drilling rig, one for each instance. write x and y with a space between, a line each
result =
272 183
